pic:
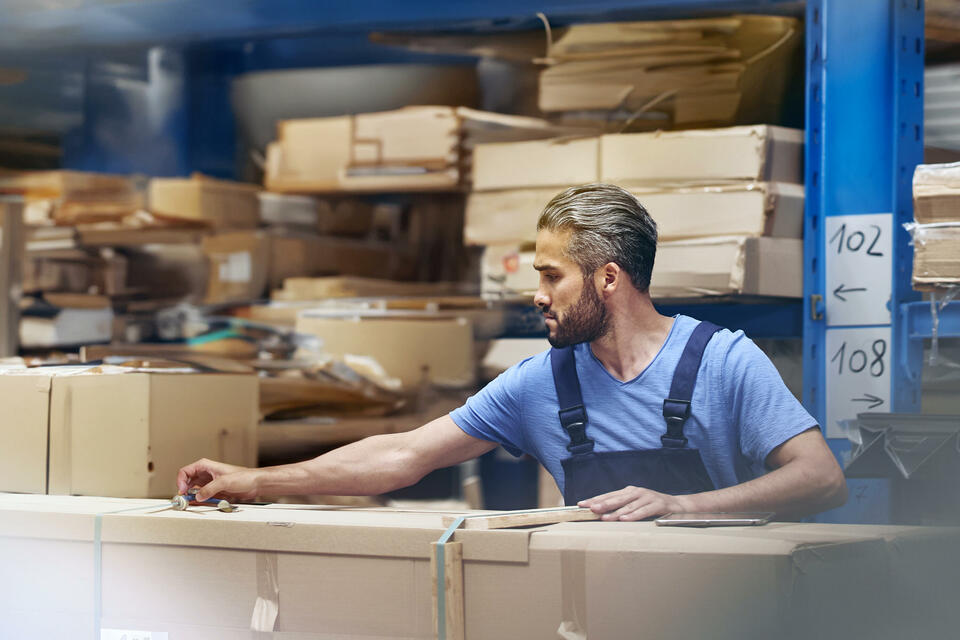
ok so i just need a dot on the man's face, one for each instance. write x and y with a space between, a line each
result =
570 303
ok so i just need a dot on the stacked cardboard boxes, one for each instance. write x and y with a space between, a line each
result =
936 229
728 203
323 572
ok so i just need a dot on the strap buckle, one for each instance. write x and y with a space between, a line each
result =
579 442
676 413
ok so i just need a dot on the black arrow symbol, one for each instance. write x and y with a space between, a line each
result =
840 290
869 397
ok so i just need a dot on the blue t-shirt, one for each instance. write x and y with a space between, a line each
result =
741 410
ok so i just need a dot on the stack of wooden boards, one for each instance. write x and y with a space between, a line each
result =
72 565
671 74
728 204
936 229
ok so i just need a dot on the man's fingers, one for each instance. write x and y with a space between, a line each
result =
603 497
210 489
643 512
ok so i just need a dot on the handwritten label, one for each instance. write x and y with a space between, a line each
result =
858 374
859 257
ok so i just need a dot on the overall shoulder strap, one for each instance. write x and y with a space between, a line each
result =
573 415
676 408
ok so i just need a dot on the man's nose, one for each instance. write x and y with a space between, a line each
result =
541 299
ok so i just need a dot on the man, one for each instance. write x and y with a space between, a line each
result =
634 414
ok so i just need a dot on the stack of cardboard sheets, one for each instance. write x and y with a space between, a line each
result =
419 148
936 229
671 74
728 205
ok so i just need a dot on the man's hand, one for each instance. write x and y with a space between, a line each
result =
634 503
217 479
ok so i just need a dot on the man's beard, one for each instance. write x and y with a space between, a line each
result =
585 321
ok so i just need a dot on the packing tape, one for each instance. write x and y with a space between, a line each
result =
267 607
442 577
98 564
441 573
573 590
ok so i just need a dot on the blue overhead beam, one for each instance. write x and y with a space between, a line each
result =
32 26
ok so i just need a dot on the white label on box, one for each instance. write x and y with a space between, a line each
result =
858 374
129 634
859 269
238 267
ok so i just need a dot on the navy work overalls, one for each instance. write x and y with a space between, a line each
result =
674 469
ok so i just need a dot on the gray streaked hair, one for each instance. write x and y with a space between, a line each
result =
608 224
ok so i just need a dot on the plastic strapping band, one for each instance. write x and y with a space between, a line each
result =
441 573
97 557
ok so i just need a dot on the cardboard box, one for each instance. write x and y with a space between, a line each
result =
327 572
221 203
411 346
120 432
239 266
66 328
726 265
558 162
508 268
72 197
74 271
936 255
754 209
936 193
282 210
291 255
415 148
306 289
368 259
758 153
730 265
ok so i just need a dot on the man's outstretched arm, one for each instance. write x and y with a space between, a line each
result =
805 479
372 466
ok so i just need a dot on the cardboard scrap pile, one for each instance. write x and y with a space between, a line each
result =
671 74
728 205
315 572
936 228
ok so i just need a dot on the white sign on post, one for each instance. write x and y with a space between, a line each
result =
859 269
858 374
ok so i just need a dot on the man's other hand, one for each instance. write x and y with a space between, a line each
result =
219 480
634 503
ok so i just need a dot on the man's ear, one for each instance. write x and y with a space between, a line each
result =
611 276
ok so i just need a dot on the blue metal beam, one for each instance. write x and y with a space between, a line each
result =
99 23
864 137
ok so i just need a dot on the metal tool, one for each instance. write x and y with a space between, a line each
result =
182 501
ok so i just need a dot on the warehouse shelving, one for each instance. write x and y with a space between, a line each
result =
864 122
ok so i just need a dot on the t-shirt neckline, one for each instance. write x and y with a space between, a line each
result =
596 360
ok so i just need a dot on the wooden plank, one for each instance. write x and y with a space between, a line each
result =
454 628
294 437
507 519
11 265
